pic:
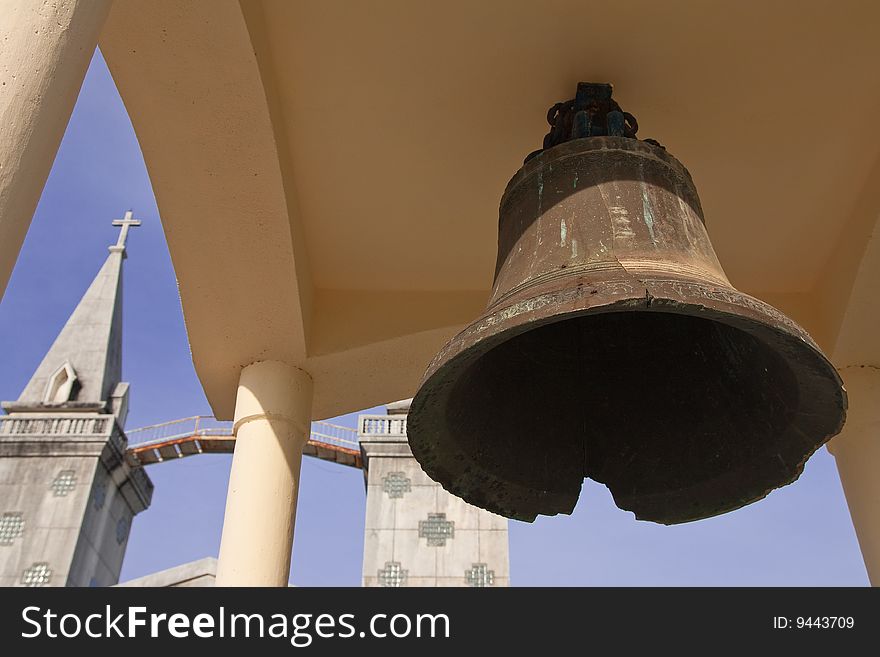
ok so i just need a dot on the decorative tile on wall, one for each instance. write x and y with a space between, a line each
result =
437 529
121 530
396 484
392 574
37 575
479 575
11 527
100 496
63 483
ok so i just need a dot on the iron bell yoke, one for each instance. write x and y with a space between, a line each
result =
614 347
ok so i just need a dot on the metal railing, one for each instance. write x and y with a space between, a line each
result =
205 425
334 434
198 425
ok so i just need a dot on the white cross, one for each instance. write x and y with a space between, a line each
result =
125 222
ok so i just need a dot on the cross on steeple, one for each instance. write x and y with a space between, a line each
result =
125 222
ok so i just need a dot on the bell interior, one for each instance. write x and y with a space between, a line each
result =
681 416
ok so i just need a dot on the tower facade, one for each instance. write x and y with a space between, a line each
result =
67 495
416 533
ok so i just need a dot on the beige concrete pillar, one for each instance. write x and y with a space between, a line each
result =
45 49
857 452
272 423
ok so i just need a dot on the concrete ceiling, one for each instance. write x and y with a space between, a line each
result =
419 113
342 162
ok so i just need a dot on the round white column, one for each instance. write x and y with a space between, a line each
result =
272 423
857 452
46 49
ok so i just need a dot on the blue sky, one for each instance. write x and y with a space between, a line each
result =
799 535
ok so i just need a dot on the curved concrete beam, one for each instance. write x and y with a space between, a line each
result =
847 293
209 126
191 82
849 296
46 50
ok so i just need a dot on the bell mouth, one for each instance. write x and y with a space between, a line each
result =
684 409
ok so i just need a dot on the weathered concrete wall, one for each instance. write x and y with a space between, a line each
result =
417 534
66 501
195 573
45 498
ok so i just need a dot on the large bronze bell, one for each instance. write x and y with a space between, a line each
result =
615 348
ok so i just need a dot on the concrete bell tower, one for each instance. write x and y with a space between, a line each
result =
416 533
67 496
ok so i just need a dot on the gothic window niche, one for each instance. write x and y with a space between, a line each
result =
60 386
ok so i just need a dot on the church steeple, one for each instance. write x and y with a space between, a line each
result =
63 446
82 370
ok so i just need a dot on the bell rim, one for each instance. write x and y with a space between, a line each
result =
676 296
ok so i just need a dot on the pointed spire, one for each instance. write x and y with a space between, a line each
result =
84 365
